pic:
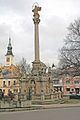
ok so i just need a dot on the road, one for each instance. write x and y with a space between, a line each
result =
49 114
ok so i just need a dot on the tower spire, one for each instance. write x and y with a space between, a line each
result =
9 48
9 55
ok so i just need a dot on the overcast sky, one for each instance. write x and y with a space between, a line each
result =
16 22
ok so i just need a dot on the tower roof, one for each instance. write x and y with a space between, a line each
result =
9 48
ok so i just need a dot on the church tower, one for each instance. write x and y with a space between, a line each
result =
9 55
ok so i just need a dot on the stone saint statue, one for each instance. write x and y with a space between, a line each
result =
35 10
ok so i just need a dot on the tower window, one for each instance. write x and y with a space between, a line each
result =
8 59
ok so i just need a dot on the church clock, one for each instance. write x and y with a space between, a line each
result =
8 59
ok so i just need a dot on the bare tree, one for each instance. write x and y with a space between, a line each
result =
70 52
24 67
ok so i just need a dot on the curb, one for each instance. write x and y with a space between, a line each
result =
40 107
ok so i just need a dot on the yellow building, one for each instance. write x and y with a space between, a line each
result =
9 74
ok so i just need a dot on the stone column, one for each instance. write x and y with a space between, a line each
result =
37 54
36 21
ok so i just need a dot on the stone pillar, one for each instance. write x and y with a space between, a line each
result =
36 21
37 56
22 94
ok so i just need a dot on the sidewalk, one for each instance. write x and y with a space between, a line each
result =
57 106
39 107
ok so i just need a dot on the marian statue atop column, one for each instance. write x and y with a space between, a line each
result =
36 15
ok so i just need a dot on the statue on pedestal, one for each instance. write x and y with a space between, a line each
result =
35 11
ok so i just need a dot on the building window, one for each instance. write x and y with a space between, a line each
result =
4 91
4 84
77 90
68 89
14 83
76 82
56 81
68 82
8 83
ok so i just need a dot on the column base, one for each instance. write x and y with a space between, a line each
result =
38 66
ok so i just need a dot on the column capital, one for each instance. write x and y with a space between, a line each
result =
36 21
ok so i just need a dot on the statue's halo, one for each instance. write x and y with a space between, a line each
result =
34 5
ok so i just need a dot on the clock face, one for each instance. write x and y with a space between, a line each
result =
8 59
